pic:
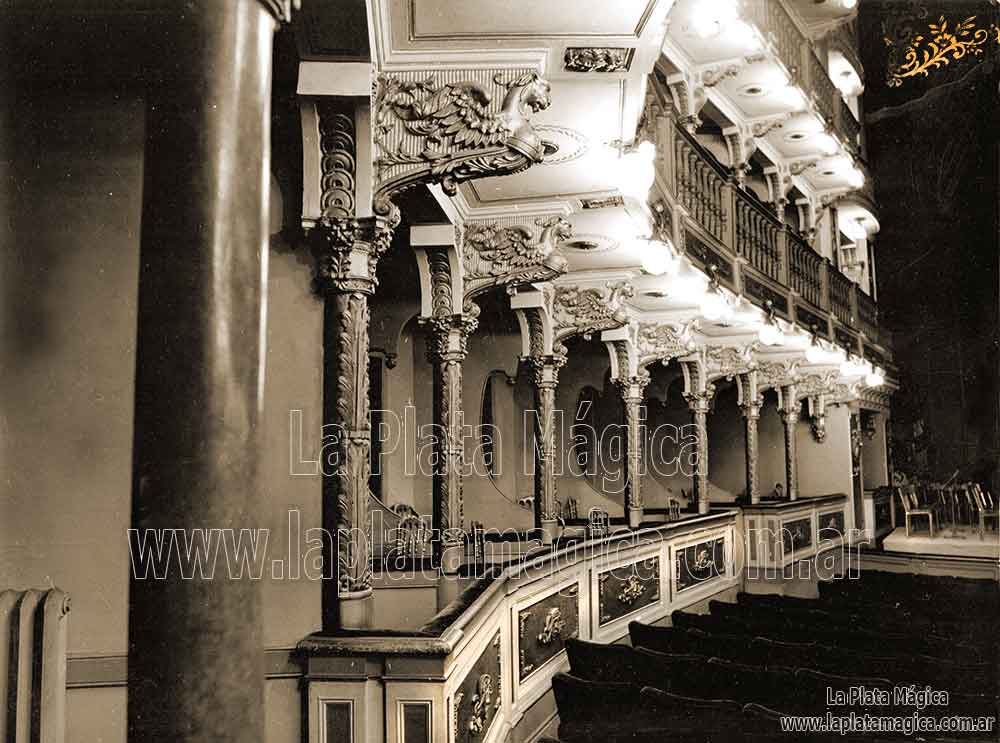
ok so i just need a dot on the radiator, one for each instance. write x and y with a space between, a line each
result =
33 665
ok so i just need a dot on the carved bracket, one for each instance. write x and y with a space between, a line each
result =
452 127
510 253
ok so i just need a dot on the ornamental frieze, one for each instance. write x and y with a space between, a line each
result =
598 59
453 126
658 341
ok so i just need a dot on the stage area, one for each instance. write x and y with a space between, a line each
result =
950 541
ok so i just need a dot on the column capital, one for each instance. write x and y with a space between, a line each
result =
545 369
347 251
701 401
632 387
448 335
751 408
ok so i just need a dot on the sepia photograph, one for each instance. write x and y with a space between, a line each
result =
499 371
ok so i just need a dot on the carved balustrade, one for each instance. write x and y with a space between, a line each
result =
759 235
806 270
867 314
840 296
847 125
701 185
820 87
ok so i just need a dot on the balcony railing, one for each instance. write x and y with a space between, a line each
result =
867 314
701 182
753 251
848 127
795 51
821 88
805 269
841 289
758 235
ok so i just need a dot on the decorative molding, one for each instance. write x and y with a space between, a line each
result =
347 251
937 47
431 131
603 202
598 59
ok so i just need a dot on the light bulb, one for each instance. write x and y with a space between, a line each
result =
744 33
770 335
792 97
875 379
856 178
848 4
657 258
815 354
636 171
714 306
827 144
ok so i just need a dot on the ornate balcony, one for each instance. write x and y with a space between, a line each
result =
754 253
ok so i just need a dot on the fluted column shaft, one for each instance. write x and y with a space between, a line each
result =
546 380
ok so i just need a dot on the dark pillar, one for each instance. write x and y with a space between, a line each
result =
700 403
195 646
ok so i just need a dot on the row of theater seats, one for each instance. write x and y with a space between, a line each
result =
733 673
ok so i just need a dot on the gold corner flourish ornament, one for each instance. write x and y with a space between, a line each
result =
938 47
631 590
553 627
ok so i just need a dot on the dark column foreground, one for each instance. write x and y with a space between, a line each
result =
195 646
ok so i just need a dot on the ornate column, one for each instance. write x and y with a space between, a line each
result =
447 345
194 645
789 412
545 375
347 252
631 389
701 404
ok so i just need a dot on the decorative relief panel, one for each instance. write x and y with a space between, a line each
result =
831 525
811 320
479 698
598 59
796 535
544 627
451 126
762 292
706 255
846 338
699 563
628 588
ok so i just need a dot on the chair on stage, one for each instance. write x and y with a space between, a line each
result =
912 507
985 508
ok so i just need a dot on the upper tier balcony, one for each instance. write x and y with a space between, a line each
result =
728 232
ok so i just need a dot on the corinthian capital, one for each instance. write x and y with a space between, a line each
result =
347 251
